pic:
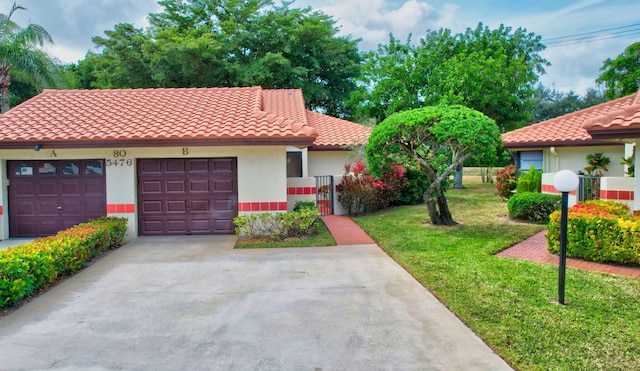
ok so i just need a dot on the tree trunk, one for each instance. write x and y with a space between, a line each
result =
438 209
457 184
5 82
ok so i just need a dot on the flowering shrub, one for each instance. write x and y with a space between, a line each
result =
601 231
361 193
506 181
26 268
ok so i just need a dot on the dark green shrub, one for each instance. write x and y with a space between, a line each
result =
600 231
416 184
506 181
534 207
530 181
305 205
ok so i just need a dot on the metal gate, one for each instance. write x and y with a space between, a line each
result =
589 188
324 194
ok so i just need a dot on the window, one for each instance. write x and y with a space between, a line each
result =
47 168
528 158
24 169
70 168
294 164
93 168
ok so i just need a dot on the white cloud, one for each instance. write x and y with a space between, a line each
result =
374 20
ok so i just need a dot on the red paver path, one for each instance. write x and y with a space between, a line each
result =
534 248
345 231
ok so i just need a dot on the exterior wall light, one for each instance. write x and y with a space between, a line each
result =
565 181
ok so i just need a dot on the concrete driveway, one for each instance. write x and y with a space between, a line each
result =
194 303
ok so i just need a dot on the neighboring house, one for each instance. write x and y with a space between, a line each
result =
564 142
173 161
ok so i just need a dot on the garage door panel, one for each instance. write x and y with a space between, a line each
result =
24 208
70 187
151 186
199 166
176 206
48 196
200 206
94 187
200 226
177 226
188 196
149 167
175 166
199 186
151 207
176 186
47 207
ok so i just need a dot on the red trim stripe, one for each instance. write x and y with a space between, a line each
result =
301 190
120 208
262 206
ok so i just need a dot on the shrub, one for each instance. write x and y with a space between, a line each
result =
278 226
530 181
534 207
600 231
416 184
27 268
304 205
506 181
357 191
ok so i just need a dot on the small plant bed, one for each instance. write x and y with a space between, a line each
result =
510 303
321 238
30 268
300 228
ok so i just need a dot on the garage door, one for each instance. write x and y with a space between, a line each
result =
48 196
187 196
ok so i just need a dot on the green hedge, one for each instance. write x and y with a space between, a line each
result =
599 231
278 226
534 207
27 268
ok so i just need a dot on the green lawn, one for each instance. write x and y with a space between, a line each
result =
511 303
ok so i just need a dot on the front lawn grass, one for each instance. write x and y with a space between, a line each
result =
511 303
323 238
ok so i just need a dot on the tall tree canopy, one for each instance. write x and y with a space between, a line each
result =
621 76
547 103
492 71
21 57
429 138
222 43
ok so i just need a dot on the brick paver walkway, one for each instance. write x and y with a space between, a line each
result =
535 248
345 231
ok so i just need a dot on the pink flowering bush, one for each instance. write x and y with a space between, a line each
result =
361 193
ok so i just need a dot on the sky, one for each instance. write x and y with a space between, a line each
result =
594 29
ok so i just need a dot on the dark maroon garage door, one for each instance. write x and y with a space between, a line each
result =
48 196
187 196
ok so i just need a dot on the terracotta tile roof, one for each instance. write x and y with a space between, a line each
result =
334 133
155 114
286 103
569 129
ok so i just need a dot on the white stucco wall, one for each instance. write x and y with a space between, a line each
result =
573 158
328 162
261 172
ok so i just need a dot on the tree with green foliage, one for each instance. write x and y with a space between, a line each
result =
548 103
21 57
430 138
621 76
492 71
226 43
